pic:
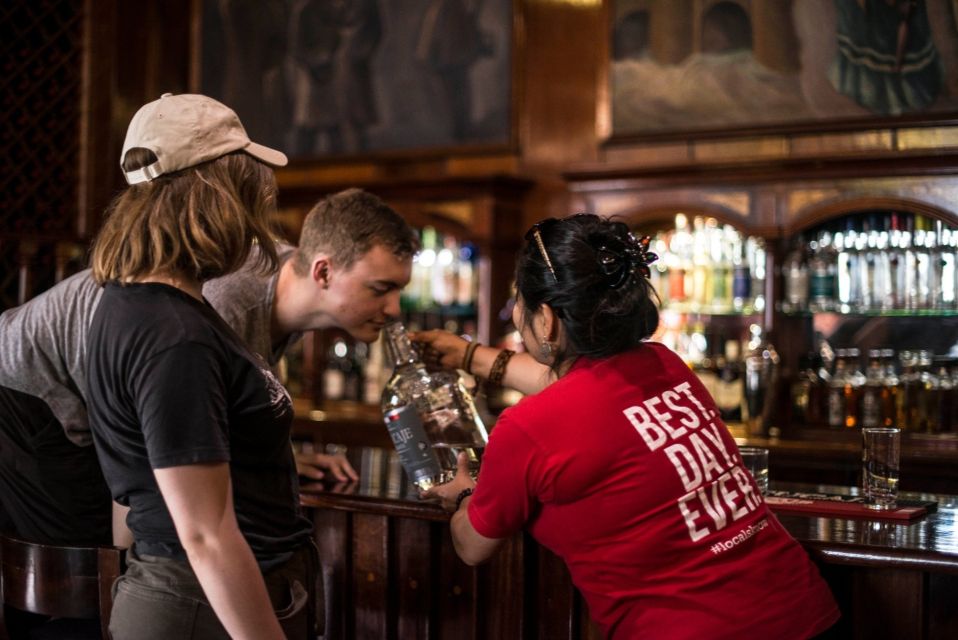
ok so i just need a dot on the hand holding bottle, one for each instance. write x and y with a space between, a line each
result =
440 349
448 493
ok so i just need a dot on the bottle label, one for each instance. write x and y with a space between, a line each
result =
334 384
729 395
822 286
836 409
871 409
741 283
408 434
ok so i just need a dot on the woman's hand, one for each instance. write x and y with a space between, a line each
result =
447 493
440 349
315 466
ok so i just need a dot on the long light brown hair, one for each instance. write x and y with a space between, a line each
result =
200 222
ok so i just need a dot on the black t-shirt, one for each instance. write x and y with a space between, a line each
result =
170 384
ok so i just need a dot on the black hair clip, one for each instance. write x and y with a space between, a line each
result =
620 266
642 256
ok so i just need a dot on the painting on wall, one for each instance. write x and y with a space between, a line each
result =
686 66
323 78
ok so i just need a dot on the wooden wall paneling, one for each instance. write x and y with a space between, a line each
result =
414 581
332 540
942 621
370 576
565 47
889 603
555 597
97 171
457 595
503 579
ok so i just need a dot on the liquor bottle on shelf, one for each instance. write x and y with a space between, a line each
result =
891 390
374 372
943 266
336 370
678 260
430 418
800 391
910 386
945 400
952 423
755 247
701 297
836 391
729 388
873 390
761 382
741 276
927 394
821 273
795 272
854 386
659 274
721 268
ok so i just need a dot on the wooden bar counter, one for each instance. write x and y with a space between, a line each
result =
391 572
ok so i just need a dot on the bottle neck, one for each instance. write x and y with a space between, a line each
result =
399 346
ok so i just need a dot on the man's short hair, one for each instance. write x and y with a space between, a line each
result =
348 224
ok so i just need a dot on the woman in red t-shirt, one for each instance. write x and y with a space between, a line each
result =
618 462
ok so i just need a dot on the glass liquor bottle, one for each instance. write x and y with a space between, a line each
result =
701 266
910 383
430 417
795 271
761 382
821 274
729 388
927 394
836 391
891 390
872 393
946 392
679 261
721 271
755 247
805 392
336 370
854 385
741 277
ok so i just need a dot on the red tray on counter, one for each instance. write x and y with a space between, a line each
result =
823 504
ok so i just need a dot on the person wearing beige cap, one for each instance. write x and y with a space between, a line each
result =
191 428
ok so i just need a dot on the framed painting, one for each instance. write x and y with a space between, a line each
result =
689 68
321 78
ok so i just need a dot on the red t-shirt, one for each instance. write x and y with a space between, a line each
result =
625 471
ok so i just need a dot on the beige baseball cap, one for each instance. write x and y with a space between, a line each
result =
185 130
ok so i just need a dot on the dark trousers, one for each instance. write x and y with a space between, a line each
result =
161 598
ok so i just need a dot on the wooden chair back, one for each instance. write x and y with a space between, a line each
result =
68 582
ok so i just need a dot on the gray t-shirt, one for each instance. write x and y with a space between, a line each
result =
43 342
245 300
42 350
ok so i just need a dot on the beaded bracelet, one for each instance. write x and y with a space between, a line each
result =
465 493
467 356
498 369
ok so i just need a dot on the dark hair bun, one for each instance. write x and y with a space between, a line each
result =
600 294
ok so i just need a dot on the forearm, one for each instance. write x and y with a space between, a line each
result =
200 500
522 373
234 586
472 547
